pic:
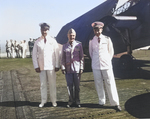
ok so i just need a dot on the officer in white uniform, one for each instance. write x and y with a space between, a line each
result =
24 49
101 52
45 58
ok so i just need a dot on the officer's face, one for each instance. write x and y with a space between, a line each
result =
44 32
98 31
71 37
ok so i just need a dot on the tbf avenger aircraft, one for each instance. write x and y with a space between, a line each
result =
128 26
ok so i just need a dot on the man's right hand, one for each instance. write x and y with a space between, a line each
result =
38 70
63 71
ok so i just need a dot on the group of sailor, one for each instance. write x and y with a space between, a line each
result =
15 49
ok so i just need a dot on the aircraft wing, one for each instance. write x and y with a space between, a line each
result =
115 29
82 24
139 29
140 35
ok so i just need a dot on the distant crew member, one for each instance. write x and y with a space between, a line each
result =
12 48
16 46
21 48
24 49
31 44
101 52
8 48
72 66
45 58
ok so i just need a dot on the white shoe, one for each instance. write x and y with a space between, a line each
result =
55 104
41 105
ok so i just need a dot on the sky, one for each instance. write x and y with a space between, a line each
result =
20 19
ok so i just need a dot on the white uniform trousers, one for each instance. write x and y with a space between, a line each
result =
48 77
13 53
108 77
24 53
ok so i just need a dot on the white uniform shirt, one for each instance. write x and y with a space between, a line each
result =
101 53
45 55
24 46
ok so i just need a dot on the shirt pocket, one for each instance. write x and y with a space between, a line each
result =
50 47
95 48
67 53
104 46
76 54
40 48
77 49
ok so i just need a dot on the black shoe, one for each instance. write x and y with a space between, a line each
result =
77 103
118 108
69 104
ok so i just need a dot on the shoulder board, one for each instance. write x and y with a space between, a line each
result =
78 41
37 39
53 37
106 36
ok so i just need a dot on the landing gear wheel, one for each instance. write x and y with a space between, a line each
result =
126 61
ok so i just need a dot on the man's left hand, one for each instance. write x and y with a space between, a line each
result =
81 71
56 69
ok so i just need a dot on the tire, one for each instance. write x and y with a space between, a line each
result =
126 61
